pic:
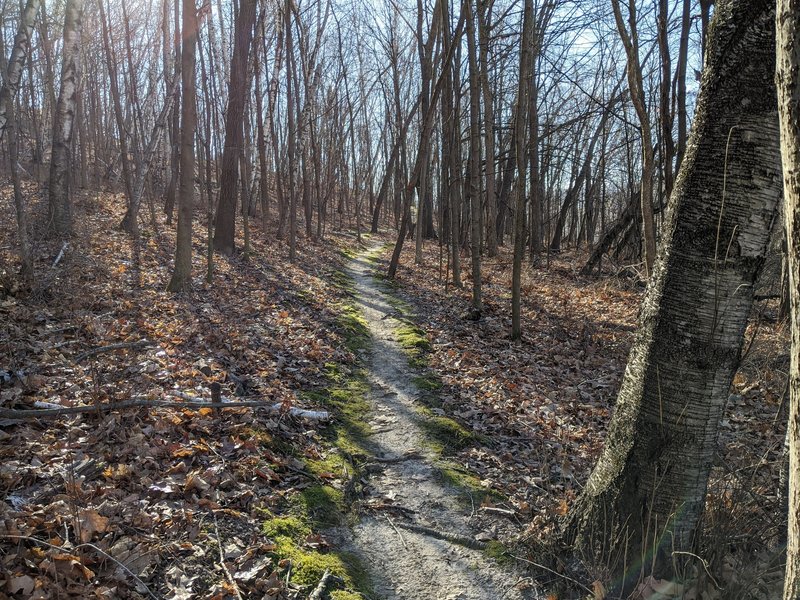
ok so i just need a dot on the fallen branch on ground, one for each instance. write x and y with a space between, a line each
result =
111 348
453 538
328 579
410 455
231 580
188 402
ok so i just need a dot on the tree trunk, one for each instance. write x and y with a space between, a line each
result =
182 273
520 123
175 155
788 81
474 185
648 490
634 69
665 114
60 210
683 57
238 88
16 62
13 72
488 124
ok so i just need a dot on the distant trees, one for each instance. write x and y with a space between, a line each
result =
374 116
648 489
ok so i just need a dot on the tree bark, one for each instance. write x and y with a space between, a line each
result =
788 83
182 273
60 210
474 185
520 123
16 62
238 88
647 491
11 78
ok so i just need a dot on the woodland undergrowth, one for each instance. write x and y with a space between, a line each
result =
169 502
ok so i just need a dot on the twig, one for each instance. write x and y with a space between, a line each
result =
93 547
499 511
549 570
60 255
111 348
703 562
231 580
327 579
8 413
453 538
397 531
314 415
395 507
410 455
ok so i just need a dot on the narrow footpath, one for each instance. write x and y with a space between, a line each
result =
407 564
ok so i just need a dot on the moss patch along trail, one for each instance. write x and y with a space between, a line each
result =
390 419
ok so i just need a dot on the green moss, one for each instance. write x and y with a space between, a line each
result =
468 483
322 505
412 337
498 552
333 464
340 595
445 435
349 253
353 328
415 344
291 527
289 534
428 382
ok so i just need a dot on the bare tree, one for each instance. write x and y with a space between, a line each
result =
182 271
8 121
648 489
64 121
630 39
238 90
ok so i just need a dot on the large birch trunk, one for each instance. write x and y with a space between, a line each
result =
64 121
788 81
647 492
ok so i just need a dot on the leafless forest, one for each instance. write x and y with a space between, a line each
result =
389 299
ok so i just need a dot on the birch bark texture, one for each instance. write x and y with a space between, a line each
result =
16 62
644 499
64 121
787 78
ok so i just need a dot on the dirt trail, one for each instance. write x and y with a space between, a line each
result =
405 564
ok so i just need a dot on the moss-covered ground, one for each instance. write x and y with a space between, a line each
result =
324 505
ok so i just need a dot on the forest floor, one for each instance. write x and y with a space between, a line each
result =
449 448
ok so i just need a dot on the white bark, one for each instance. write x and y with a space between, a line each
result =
63 124
788 82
